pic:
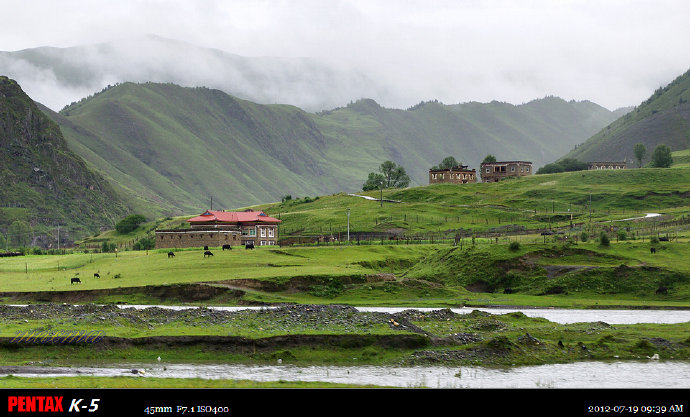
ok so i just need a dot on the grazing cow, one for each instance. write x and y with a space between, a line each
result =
663 239
228 247
75 281
96 275
652 250
208 253
171 254
662 290
249 245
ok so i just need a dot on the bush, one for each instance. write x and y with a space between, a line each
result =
584 236
654 240
129 223
514 246
622 235
145 243
604 239
108 247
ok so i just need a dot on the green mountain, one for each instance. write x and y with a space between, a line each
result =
172 149
45 184
664 118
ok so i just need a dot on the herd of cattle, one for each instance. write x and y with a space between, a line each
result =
207 253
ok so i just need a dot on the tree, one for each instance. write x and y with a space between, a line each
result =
640 152
448 163
129 223
661 157
391 175
374 182
489 159
19 234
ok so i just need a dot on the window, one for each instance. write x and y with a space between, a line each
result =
488 170
263 231
526 169
263 243
271 232
512 169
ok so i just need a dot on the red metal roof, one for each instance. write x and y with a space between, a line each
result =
233 217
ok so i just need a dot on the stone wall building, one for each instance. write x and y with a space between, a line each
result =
496 171
218 228
457 175
608 165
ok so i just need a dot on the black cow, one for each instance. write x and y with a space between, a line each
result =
228 247
75 281
652 250
249 245
96 275
662 290
171 254
663 239
208 253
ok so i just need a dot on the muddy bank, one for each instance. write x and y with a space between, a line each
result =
234 344
165 293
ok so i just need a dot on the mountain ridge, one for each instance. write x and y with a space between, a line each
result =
664 118
161 137
44 183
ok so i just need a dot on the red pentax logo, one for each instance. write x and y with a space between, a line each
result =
32 404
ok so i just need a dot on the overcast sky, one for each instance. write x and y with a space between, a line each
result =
612 52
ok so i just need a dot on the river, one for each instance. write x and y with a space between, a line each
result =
645 374
561 316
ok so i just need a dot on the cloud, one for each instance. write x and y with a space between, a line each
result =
612 52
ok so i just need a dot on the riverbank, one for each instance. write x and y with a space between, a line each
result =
322 334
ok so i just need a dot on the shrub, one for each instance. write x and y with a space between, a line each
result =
604 239
145 243
654 240
622 235
584 236
514 246
129 223
108 247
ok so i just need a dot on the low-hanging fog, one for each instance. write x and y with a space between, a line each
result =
323 54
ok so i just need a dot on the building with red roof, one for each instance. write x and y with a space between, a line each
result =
219 228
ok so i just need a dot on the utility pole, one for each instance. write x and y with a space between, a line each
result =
348 224
58 240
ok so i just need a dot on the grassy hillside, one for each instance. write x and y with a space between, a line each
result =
172 149
45 184
664 118
531 203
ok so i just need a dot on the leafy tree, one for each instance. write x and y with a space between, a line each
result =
572 164
661 157
640 152
448 163
129 223
550 169
391 175
564 165
19 234
489 159
375 181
